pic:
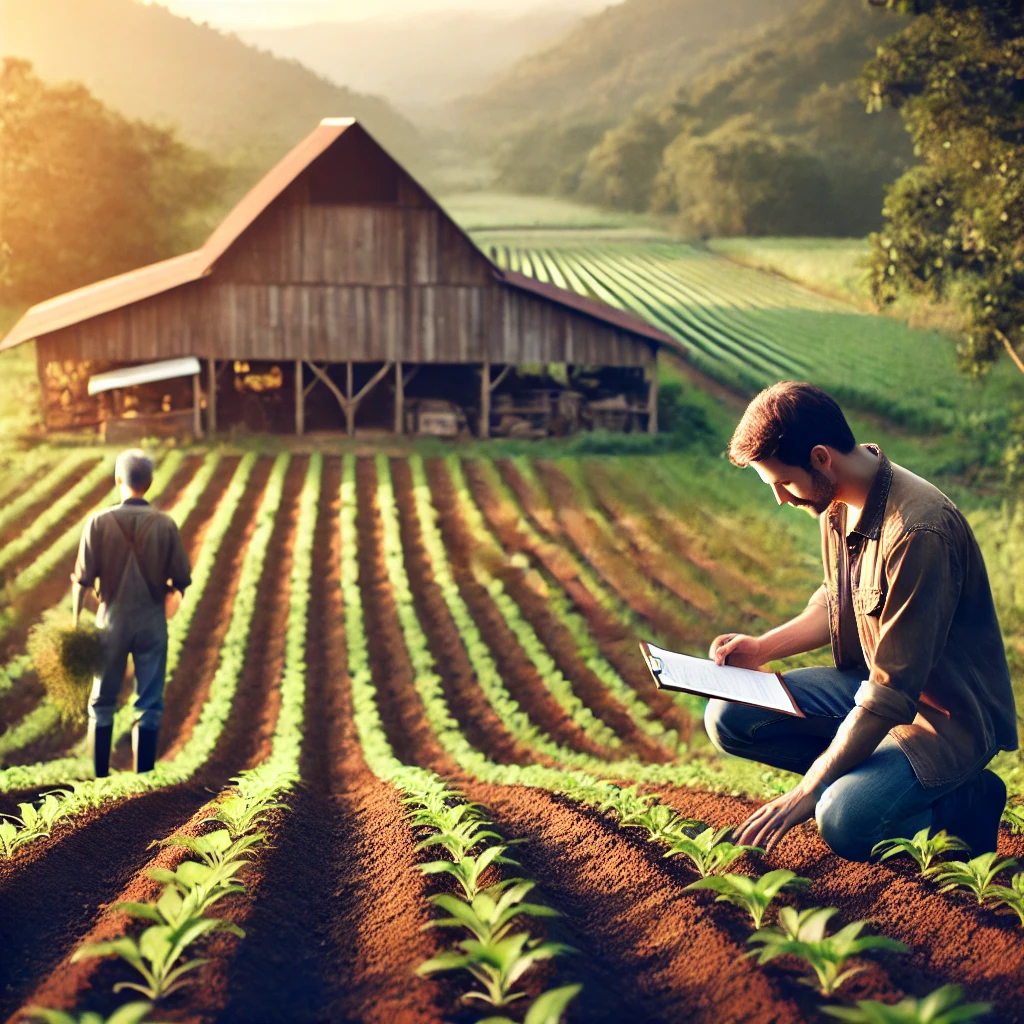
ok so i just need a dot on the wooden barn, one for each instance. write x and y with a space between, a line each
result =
339 295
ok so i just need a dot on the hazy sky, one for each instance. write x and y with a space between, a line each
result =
233 14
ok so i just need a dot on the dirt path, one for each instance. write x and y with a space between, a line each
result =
334 933
615 639
517 672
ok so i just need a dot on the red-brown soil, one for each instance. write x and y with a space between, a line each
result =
92 859
529 590
466 700
615 639
16 526
334 934
646 597
517 672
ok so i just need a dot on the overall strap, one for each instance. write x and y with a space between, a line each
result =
133 539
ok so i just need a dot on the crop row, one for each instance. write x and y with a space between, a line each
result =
497 952
218 858
799 933
86 793
563 607
45 485
44 717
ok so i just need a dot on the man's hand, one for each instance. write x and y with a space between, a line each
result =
768 824
742 651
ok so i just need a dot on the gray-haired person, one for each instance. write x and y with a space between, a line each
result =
134 556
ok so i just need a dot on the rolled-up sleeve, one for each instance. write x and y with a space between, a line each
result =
86 569
924 579
818 598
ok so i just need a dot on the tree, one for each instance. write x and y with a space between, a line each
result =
954 224
86 193
740 180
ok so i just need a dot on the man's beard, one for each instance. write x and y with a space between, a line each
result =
824 491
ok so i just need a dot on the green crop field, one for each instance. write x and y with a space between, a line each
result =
749 329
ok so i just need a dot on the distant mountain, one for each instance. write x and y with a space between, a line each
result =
419 62
599 70
223 95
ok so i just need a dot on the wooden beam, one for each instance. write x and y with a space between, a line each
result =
300 401
501 376
211 397
652 397
399 398
197 412
485 400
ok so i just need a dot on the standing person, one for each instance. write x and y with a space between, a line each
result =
898 734
135 554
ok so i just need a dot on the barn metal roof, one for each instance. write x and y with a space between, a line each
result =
129 376
115 292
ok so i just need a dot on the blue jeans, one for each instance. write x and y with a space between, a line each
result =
879 799
143 635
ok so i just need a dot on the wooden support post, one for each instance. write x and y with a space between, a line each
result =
211 396
652 397
197 411
300 401
485 400
399 398
350 412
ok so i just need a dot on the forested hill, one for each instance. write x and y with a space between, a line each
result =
614 58
775 117
224 96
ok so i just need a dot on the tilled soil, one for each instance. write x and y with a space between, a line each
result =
646 597
517 672
16 526
616 641
90 860
334 933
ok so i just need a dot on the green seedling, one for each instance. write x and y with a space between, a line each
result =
802 934
467 871
1011 895
240 814
154 955
752 894
179 904
490 914
130 1013
943 1006
443 816
496 965
459 840
922 848
547 1008
708 850
661 822
1013 815
976 875
217 849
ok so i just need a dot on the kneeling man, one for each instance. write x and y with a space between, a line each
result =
898 734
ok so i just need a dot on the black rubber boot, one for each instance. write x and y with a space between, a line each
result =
100 738
972 812
144 748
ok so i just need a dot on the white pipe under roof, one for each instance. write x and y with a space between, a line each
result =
129 376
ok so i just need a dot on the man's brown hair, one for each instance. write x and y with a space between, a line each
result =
786 421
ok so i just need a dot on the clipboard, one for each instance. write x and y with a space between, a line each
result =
656 668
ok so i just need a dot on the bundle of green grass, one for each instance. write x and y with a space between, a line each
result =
66 660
